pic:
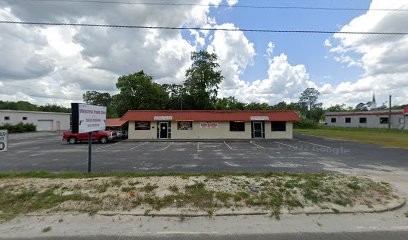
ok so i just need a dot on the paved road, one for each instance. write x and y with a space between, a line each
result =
302 154
399 235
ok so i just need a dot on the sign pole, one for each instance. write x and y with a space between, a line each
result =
89 152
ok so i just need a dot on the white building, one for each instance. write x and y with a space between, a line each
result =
368 119
45 121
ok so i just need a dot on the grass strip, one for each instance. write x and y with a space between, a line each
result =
383 137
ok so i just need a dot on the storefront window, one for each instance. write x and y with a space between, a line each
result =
278 126
237 126
186 125
142 125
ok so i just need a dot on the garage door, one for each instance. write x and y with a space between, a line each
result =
44 125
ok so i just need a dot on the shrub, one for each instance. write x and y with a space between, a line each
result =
19 128
306 123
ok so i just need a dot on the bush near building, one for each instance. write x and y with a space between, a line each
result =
19 128
305 123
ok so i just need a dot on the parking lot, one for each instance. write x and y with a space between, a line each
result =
301 154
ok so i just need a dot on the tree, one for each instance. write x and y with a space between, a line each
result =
202 81
310 105
230 103
53 108
175 93
257 106
361 107
138 91
97 98
337 108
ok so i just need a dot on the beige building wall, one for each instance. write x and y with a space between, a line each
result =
288 134
222 132
142 134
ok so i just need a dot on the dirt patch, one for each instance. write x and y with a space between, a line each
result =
195 195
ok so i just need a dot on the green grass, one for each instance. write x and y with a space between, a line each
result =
46 229
383 137
29 200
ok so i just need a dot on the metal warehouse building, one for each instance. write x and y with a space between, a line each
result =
45 121
148 125
368 119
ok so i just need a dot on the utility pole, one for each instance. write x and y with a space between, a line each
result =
389 114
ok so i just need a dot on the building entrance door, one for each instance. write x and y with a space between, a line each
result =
257 129
164 130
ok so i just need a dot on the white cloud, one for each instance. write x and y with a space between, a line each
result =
235 53
232 2
285 82
63 62
384 59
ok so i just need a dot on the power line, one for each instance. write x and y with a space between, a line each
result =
201 28
223 5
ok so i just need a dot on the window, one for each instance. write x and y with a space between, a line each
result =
185 125
6 118
363 120
237 126
24 118
347 120
333 120
142 125
384 120
278 126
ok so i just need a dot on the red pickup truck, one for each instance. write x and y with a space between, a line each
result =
102 137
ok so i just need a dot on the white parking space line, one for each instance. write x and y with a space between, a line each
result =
108 146
228 145
138 146
198 146
167 147
287 145
313 144
232 164
258 146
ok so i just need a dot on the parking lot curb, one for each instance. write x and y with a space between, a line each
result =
316 211
205 140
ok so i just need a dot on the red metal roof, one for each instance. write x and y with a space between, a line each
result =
406 110
209 115
114 122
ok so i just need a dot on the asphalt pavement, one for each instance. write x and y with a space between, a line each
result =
399 235
302 154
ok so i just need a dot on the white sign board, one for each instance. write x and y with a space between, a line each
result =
3 140
163 118
88 118
208 125
259 118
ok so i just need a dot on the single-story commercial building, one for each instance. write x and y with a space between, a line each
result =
369 119
44 121
208 124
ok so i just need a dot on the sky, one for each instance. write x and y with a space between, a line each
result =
57 64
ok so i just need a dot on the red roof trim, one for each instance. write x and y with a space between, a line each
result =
406 110
114 122
210 115
362 114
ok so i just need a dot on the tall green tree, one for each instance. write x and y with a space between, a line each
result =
176 92
97 98
138 91
102 99
202 81
310 105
